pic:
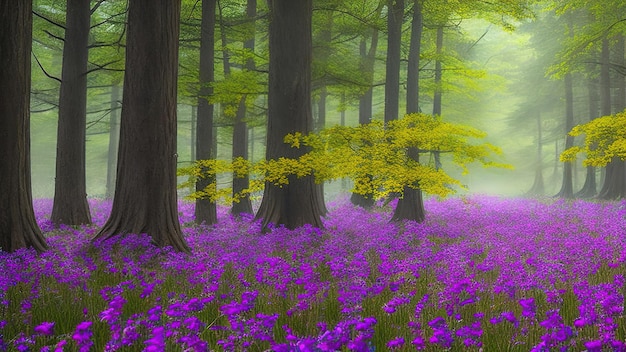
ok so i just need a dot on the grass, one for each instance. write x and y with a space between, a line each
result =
458 281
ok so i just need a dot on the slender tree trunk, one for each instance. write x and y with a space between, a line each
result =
289 111
70 205
240 131
368 60
538 187
438 72
411 204
590 187
114 140
438 85
567 187
395 16
192 137
613 186
18 226
206 210
145 193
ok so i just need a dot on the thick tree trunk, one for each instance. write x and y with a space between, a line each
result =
145 194
18 227
243 205
567 187
289 111
114 141
206 210
411 205
70 190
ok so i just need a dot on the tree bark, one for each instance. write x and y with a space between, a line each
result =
206 210
289 111
114 140
145 194
411 205
70 205
18 227
395 15
243 205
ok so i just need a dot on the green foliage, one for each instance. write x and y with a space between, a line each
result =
374 156
605 139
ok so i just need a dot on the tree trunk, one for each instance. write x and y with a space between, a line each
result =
590 187
289 111
145 193
206 210
411 205
395 14
368 59
243 205
192 137
18 227
567 187
438 73
114 140
538 187
612 187
70 190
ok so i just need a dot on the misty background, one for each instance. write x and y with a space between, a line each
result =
495 79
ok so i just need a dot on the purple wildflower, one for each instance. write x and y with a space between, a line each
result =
46 328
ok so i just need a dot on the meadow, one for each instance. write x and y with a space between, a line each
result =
481 274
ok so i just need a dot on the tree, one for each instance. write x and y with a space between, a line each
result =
411 206
205 210
243 204
18 227
368 59
145 193
395 18
70 190
289 111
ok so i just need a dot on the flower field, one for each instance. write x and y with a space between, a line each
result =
482 273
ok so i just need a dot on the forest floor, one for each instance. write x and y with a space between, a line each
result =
481 272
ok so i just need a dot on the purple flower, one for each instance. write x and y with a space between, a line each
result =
395 343
46 328
528 307
82 336
157 341
594 345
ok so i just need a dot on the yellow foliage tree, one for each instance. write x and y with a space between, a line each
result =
373 155
605 139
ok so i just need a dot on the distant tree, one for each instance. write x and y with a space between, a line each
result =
206 211
242 204
290 49
18 226
70 205
114 140
145 193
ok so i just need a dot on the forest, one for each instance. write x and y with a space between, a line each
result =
312 175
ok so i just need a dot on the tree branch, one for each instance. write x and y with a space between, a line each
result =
48 20
44 70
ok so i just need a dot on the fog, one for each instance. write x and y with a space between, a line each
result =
497 82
